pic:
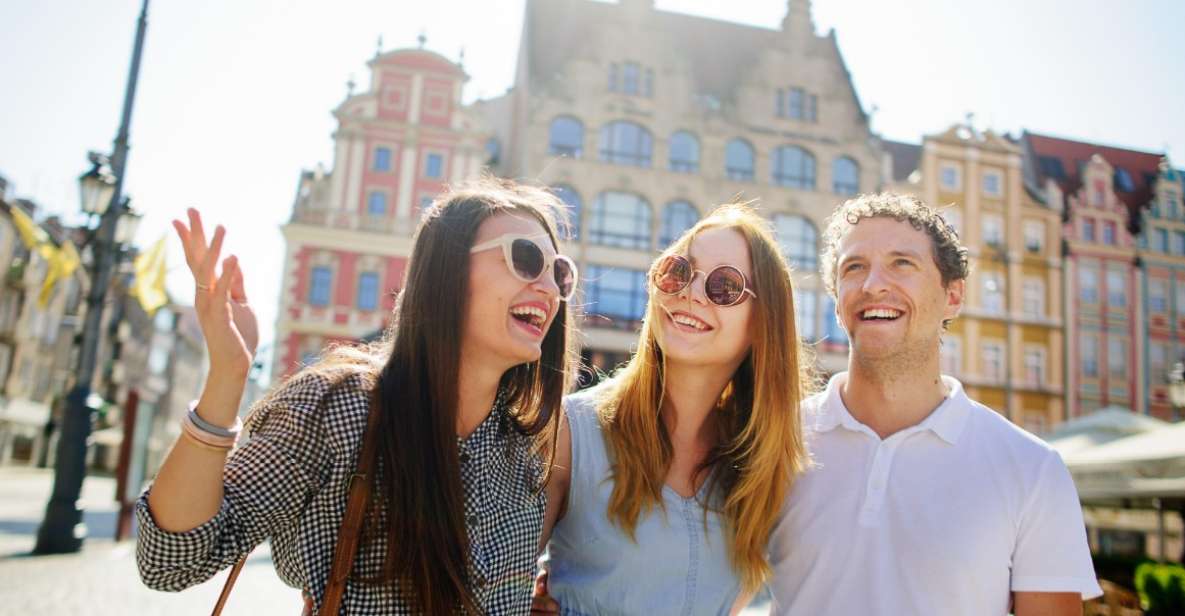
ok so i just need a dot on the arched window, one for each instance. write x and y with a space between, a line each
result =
684 152
845 176
799 241
738 160
571 198
677 217
794 167
620 219
626 143
566 137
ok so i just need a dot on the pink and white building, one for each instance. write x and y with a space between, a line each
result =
397 144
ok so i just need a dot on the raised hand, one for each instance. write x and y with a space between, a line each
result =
228 323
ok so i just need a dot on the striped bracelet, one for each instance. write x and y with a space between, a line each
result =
208 433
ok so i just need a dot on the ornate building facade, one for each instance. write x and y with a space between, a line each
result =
1007 345
644 120
1162 285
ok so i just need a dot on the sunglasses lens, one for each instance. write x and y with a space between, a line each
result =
527 258
671 274
724 286
565 276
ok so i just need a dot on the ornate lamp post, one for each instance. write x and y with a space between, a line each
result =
101 193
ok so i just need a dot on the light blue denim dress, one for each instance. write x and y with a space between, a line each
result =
675 567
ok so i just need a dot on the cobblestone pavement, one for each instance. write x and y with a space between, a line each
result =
102 579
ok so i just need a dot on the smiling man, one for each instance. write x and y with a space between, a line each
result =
922 500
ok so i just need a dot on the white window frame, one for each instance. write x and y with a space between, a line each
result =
985 279
1117 369
957 181
951 355
1158 288
995 347
999 177
1033 292
1036 356
1034 232
993 230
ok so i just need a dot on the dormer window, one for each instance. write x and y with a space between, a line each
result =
797 104
632 79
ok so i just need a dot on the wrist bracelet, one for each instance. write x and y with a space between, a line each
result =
205 426
188 433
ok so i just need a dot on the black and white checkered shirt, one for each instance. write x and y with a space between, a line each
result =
289 483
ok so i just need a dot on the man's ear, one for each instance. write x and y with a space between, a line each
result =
954 298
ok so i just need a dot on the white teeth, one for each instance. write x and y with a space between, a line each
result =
537 315
689 321
881 313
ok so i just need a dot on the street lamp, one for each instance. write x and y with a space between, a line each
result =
1177 387
62 529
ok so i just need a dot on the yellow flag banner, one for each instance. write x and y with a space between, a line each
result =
149 285
32 235
62 263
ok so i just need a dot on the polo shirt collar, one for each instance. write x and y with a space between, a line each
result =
947 421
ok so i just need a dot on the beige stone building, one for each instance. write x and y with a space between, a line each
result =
1007 346
643 120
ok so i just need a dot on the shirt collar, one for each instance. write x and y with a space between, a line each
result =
947 421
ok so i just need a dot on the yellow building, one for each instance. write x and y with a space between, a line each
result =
1007 346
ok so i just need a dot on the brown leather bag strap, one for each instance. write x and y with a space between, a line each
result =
348 533
351 527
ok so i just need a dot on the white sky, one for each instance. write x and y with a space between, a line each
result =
235 96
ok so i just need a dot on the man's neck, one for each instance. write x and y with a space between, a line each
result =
891 401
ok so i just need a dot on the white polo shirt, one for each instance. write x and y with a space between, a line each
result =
946 517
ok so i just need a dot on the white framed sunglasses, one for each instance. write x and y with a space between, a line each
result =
527 260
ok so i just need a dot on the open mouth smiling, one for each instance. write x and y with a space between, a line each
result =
687 322
880 314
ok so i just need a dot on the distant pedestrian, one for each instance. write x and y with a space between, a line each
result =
461 398
921 500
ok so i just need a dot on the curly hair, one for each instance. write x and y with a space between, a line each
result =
950 255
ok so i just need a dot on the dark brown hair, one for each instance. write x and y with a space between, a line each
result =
418 497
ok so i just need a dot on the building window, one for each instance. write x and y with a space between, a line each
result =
434 167
738 161
648 85
993 230
677 217
1116 357
1034 365
376 203
954 218
1116 288
796 108
833 331
493 151
845 176
1158 295
1034 235
620 219
630 78
799 241
1088 229
1090 356
382 159
1033 298
626 143
425 202
992 354
616 293
1170 202
794 167
320 285
570 229
368 291
948 177
993 293
1123 180
684 152
1179 242
951 355
806 313
566 137
1109 233
1158 362
992 184
1180 286
1160 240
1088 285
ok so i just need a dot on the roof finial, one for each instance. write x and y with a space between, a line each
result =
461 60
798 18
350 85
378 49
422 39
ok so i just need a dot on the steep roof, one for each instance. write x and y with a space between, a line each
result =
1061 160
905 157
717 51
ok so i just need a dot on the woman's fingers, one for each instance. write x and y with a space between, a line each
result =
205 271
196 230
230 267
238 291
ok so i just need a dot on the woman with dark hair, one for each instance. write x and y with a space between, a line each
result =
460 398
